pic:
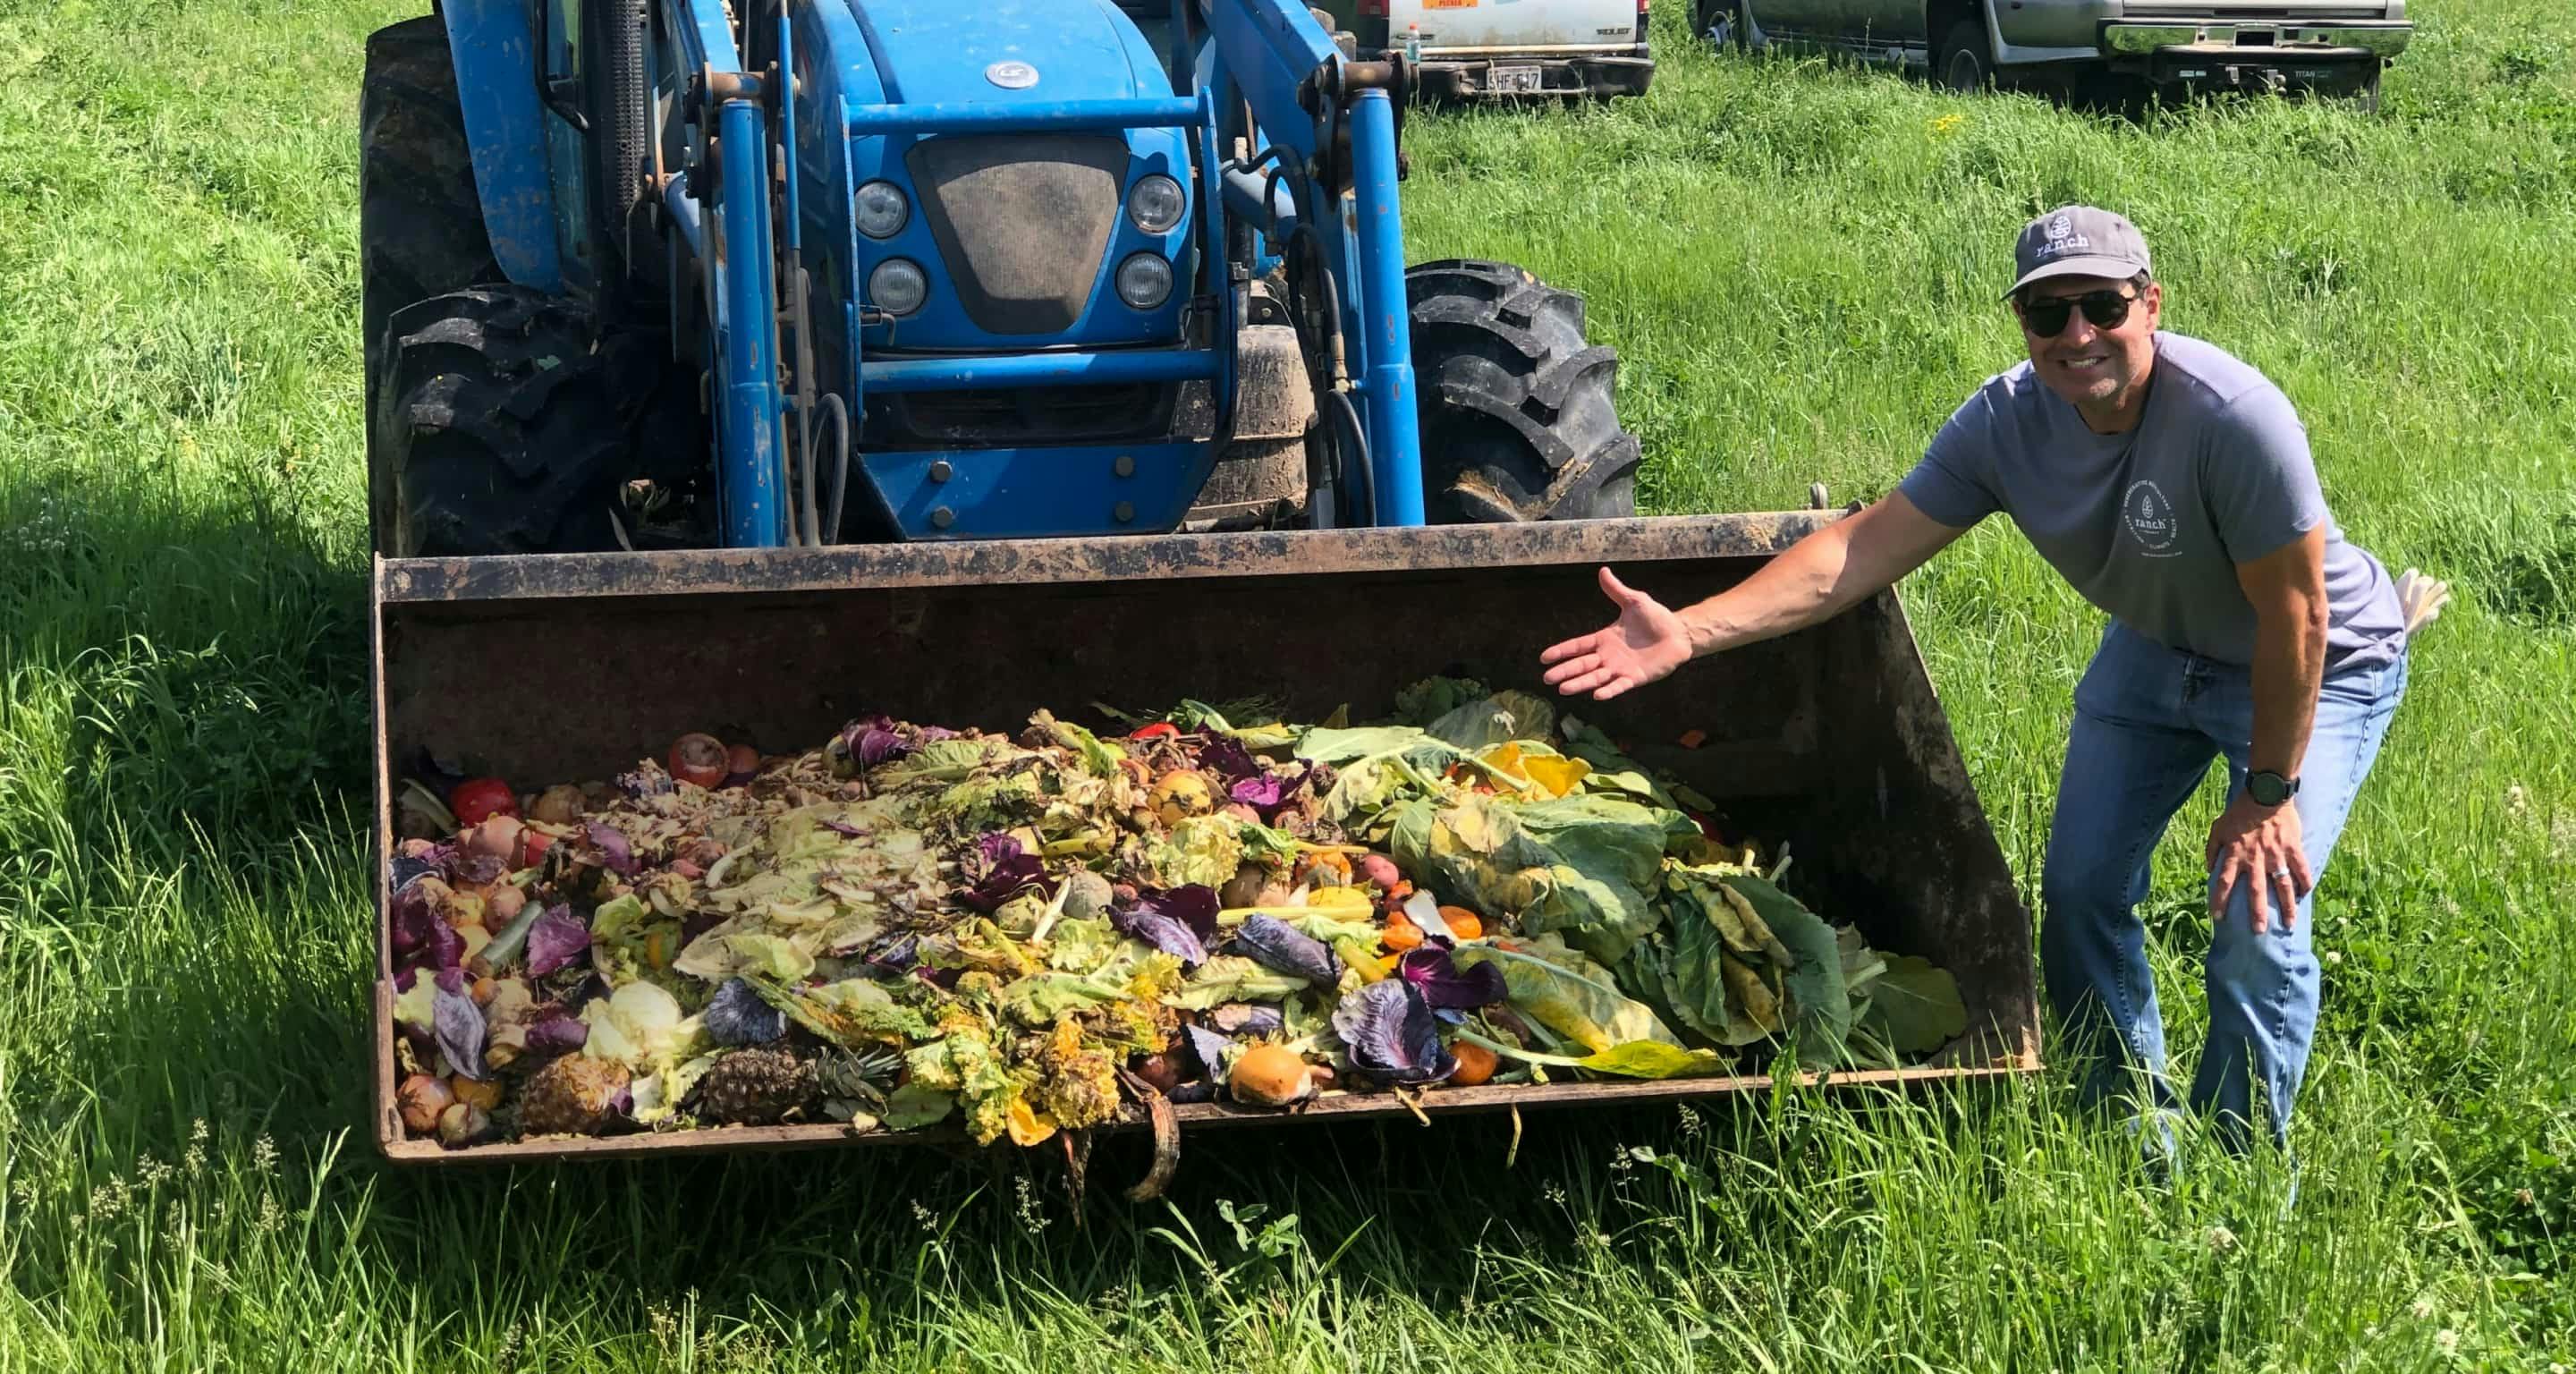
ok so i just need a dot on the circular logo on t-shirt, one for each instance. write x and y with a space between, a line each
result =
2151 519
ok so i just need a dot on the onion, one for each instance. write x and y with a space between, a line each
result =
502 907
1244 888
421 1099
1162 1070
462 1123
560 804
497 835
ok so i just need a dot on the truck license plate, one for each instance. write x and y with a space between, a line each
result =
1515 76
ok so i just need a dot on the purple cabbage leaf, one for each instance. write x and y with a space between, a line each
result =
1179 921
1446 986
1276 945
1391 1034
459 1026
555 940
558 1034
614 852
997 870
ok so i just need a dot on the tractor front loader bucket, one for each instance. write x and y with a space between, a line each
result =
573 667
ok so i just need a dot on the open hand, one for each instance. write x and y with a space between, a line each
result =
1646 642
2259 845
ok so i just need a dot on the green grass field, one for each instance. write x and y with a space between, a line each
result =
1798 263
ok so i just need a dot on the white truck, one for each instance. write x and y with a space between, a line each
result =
1502 49
2334 47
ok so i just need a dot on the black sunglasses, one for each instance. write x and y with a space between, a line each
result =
2046 316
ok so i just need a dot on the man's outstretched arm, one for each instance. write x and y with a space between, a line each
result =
1815 579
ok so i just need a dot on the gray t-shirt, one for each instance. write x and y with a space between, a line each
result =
2149 525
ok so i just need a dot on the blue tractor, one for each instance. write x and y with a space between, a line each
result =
747 274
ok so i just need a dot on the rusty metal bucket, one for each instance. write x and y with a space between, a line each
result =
567 667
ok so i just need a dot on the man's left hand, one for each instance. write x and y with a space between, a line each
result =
2259 846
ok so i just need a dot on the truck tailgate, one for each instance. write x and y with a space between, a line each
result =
1484 28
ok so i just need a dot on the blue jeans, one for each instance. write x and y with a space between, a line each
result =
2148 720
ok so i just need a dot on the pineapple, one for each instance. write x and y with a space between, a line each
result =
755 1087
574 1095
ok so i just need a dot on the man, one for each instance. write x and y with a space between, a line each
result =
2171 485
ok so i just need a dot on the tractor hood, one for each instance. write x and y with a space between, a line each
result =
940 51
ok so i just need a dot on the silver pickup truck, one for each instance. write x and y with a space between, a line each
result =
2326 46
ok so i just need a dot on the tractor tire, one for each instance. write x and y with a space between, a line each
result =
501 429
1515 412
420 220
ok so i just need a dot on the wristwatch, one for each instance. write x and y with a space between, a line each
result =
2268 788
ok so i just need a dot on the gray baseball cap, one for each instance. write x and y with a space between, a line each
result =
2078 241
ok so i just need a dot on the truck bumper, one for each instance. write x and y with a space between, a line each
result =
1506 77
2322 53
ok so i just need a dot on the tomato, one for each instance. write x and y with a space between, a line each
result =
699 759
477 799
1161 729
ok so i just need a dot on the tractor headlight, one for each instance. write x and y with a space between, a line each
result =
898 287
882 210
1144 281
1156 204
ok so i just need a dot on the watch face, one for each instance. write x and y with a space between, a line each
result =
2271 789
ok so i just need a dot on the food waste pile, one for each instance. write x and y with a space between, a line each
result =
911 928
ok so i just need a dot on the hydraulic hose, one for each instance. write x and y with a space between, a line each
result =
840 420
1349 416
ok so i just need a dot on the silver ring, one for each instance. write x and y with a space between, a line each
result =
2280 873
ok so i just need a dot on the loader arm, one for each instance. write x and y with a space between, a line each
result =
1336 122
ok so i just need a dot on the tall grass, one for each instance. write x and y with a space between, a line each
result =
1798 264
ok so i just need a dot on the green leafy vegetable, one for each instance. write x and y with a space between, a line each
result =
1233 978
1583 865
1320 745
915 1105
1915 1006
1203 851
1039 999
1822 1010
1434 697
1493 720
1566 991
1102 759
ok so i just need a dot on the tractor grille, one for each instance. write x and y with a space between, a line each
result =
1021 221
1019 416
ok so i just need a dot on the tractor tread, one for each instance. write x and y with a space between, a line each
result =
504 430
1517 416
420 219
